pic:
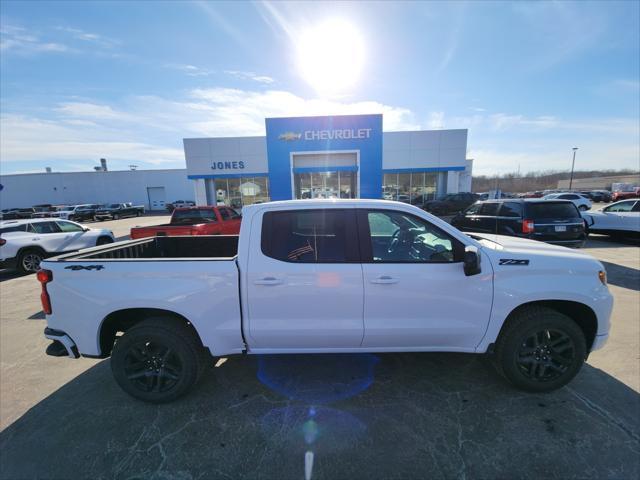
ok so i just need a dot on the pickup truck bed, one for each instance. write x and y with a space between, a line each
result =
157 248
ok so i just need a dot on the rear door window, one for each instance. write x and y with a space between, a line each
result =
473 209
310 236
511 210
45 227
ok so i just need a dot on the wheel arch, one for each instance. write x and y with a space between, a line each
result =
122 320
581 314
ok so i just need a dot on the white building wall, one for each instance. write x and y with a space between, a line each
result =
424 149
25 190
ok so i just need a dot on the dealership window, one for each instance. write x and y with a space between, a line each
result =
239 192
415 188
329 184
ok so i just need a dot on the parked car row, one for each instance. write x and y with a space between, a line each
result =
80 213
25 243
179 204
552 220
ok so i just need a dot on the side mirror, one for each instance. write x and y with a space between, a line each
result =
471 261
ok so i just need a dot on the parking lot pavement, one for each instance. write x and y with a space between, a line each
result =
359 416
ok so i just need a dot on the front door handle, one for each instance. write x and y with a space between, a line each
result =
384 279
268 281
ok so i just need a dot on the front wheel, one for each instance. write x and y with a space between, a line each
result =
157 360
116 217
540 350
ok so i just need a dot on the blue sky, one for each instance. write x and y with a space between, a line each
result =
129 80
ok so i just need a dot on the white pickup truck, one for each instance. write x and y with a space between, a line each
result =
325 276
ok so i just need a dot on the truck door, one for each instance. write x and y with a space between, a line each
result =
304 282
416 294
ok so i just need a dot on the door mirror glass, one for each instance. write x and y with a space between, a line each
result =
471 261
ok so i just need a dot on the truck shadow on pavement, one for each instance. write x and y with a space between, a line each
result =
347 416
622 276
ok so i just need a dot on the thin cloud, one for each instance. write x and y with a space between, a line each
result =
190 70
94 38
250 76
17 39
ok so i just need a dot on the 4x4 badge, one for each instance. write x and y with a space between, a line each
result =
84 267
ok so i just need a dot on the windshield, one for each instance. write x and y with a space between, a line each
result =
113 205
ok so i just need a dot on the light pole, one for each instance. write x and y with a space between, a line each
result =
573 164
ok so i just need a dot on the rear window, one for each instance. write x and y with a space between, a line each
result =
15 228
552 210
194 216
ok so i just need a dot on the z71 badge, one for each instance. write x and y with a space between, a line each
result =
513 261
84 267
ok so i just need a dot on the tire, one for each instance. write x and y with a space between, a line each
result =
553 363
104 241
116 217
29 260
137 214
163 344
583 208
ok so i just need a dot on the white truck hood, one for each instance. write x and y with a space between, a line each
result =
502 247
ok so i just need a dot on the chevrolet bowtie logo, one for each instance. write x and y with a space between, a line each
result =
290 136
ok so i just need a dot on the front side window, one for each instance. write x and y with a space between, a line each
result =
397 237
310 236
45 227
620 207
224 213
473 209
489 209
69 227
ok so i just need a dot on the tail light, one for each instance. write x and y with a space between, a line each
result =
2 241
44 277
528 226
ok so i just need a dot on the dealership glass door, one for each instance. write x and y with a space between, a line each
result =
336 184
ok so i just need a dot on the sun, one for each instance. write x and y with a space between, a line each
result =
331 56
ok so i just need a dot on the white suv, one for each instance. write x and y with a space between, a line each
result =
24 243
579 201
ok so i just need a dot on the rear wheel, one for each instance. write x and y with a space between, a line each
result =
116 217
540 350
158 360
29 261
583 208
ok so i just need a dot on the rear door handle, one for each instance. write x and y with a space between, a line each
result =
384 279
268 281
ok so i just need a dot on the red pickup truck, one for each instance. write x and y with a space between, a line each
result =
194 221
625 195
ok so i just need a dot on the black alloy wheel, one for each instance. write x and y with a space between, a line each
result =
152 367
545 355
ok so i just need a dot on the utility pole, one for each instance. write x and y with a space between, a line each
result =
573 164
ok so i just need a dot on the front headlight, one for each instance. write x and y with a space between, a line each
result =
602 275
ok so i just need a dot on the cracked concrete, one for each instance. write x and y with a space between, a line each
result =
392 416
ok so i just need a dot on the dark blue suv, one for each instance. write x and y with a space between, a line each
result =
552 221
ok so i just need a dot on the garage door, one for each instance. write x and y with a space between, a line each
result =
157 198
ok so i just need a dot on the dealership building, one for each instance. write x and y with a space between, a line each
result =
328 157
303 157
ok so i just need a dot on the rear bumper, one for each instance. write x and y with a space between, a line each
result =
64 339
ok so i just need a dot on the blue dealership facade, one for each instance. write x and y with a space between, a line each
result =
345 156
